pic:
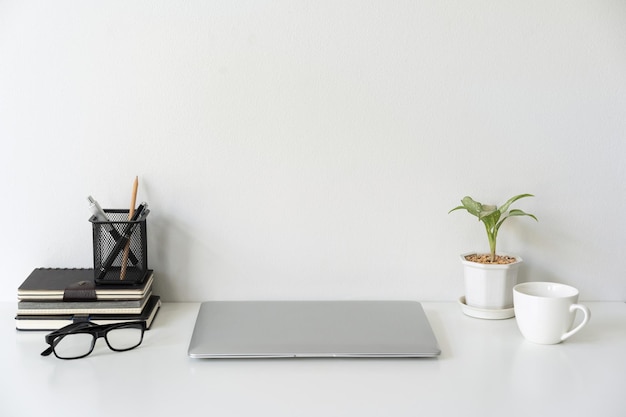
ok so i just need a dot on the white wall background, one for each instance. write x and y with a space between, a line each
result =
312 149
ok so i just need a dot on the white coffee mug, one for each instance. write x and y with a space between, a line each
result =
545 311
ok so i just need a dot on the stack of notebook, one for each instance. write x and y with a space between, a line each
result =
51 298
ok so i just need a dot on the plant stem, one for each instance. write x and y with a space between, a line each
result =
491 235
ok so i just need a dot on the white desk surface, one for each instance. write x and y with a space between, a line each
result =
486 369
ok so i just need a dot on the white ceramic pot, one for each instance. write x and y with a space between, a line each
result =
489 286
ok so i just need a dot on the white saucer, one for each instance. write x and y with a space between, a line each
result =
485 313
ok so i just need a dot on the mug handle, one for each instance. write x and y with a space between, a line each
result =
586 317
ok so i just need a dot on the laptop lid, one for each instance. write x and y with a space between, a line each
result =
275 329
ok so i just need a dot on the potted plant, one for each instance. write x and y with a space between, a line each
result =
489 278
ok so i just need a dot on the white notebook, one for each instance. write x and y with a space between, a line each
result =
280 329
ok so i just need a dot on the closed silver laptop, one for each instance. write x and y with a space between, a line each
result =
280 329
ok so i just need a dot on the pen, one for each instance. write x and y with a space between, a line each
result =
101 216
138 216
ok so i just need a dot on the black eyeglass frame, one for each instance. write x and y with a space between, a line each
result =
95 330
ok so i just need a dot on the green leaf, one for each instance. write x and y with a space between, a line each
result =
511 200
491 219
474 207
488 210
518 212
457 208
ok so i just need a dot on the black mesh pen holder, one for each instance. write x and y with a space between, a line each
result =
120 248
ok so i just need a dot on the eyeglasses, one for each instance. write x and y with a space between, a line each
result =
77 340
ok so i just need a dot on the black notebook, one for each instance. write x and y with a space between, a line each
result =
51 283
82 307
56 321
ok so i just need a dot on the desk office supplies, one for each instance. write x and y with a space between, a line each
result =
100 215
105 255
44 303
280 329
131 211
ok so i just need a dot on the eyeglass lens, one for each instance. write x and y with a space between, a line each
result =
124 338
73 345
76 345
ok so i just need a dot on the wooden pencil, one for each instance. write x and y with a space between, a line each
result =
131 211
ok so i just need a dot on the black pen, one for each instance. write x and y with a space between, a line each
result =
139 214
